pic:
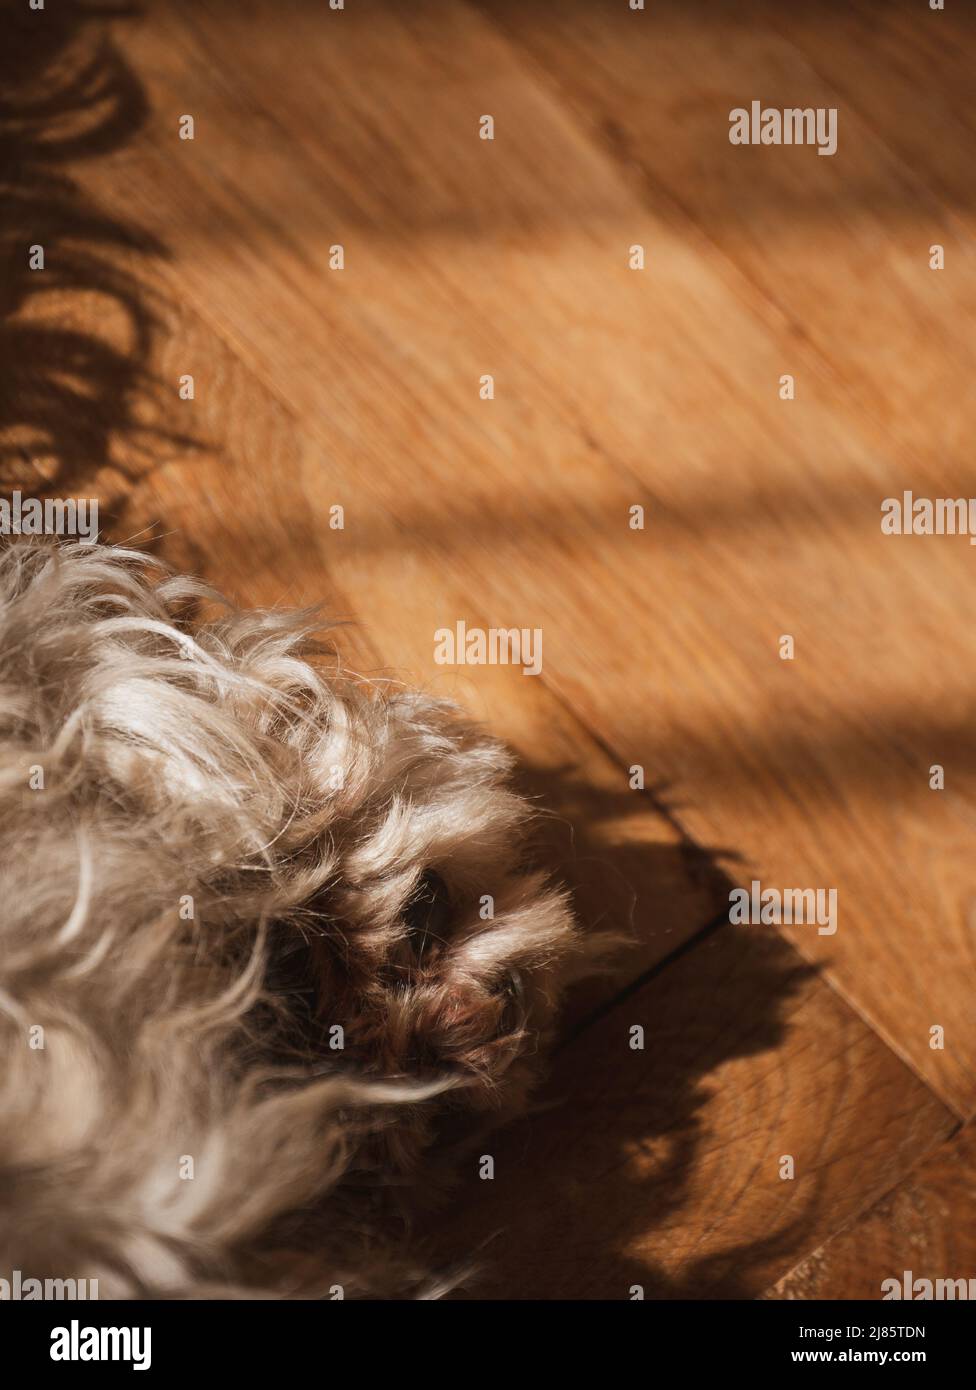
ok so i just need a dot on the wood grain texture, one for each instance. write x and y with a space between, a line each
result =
826 766
927 1224
232 508
661 1168
360 388
229 485
836 247
615 388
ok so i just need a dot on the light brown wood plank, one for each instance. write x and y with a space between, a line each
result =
927 1225
229 486
837 247
613 388
314 389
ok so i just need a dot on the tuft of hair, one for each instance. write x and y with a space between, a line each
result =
249 993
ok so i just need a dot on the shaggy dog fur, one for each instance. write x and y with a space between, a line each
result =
216 856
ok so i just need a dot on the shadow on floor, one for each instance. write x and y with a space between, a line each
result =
611 1151
79 407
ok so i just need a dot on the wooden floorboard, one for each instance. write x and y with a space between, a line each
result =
613 388
926 1225
818 768
764 520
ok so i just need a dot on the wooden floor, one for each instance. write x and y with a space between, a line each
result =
613 388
